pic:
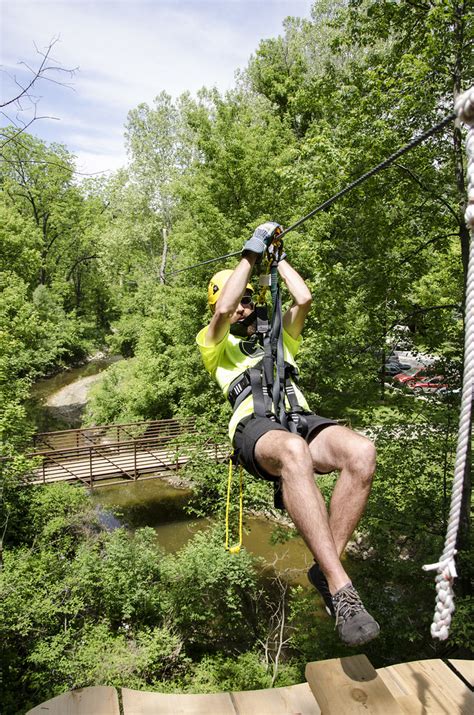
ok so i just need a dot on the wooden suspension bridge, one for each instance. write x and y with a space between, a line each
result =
341 686
112 454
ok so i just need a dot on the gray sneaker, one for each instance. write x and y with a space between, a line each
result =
354 624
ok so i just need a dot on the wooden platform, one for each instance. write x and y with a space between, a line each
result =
341 686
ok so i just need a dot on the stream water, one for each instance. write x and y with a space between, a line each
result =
159 505
58 403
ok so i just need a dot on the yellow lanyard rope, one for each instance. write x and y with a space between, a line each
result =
234 549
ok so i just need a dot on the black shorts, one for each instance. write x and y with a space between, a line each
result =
250 429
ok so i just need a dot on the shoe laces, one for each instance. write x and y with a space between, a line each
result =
347 603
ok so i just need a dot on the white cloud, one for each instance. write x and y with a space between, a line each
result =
88 162
128 52
109 144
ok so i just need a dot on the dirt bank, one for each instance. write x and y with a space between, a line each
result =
74 394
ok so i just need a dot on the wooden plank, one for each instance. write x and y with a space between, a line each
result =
99 700
409 703
435 685
346 686
136 702
465 668
292 700
122 463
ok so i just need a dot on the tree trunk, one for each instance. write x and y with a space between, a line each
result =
164 255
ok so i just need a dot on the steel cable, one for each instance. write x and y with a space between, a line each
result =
364 177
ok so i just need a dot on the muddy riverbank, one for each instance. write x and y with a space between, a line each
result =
58 402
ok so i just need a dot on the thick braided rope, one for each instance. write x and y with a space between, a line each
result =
446 566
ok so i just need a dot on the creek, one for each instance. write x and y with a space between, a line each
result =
157 504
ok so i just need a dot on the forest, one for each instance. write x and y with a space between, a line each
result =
88 263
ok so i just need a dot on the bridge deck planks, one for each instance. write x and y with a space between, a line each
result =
347 686
465 668
434 685
118 463
292 700
341 685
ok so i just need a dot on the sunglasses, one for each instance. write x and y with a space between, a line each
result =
246 301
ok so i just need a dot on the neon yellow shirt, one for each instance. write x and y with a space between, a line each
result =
232 356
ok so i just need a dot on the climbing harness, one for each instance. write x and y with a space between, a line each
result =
236 548
272 378
446 567
271 381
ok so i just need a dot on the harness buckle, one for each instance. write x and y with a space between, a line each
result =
297 423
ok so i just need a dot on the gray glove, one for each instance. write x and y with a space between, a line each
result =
262 237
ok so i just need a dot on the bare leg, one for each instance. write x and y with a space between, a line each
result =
287 456
340 448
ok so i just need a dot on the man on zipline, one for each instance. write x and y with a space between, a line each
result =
230 348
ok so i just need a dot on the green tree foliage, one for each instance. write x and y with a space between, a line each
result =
37 183
388 253
81 606
213 595
314 109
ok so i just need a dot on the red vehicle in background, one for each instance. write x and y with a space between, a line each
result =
428 384
412 375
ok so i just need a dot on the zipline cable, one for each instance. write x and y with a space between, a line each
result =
368 174
446 567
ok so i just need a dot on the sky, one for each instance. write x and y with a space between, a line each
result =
124 52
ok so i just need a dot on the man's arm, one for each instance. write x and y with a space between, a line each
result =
229 299
294 318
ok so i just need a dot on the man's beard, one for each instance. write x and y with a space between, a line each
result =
246 327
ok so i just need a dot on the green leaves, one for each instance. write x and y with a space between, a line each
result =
81 606
212 594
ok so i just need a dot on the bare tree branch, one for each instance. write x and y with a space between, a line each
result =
424 245
39 74
24 128
402 320
43 72
45 162
2 538
76 263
